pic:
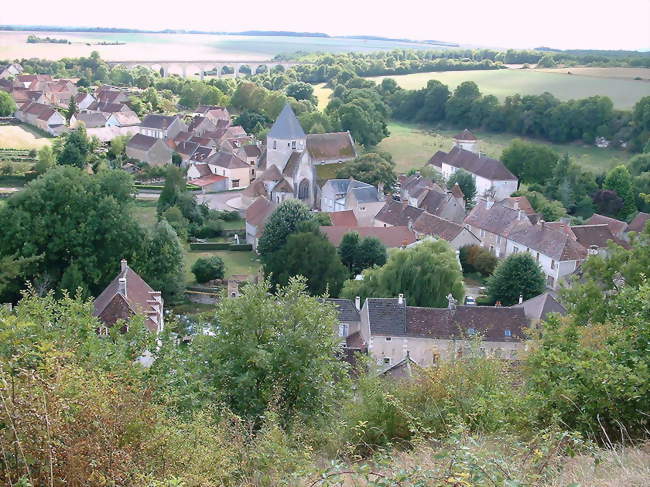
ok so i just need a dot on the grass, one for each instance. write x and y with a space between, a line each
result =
328 171
22 137
236 262
412 145
145 212
501 83
322 94
234 225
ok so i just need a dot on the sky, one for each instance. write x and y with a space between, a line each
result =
563 24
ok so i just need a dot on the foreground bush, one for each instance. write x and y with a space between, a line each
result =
208 269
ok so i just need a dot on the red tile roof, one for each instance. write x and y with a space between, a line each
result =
207 180
638 223
343 218
616 226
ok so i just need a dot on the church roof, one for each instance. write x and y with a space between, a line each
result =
283 187
287 126
292 164
331 147
272 174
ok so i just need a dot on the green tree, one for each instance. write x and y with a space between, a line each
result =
619 179
76 148
172 190
46 159
208 269
639 164
348 250
550 210
177 221
425 274
517 275
67 216
163 266
465 181
283 221
459 105
311 255
7 104
371 168
72 109
370 252
531 163
277 352
300 91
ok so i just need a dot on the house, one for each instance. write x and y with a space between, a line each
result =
83 100
404 369
492 178
128 295
538 308
42 116
423 193
106 94
10 70
231 167
256 215
201 154
493 222
397 213
428 225
638 223
349 320
186 150
127 118
349 194
251 155
162 126
211 183
595 238
294 155
148 149
617 227
199 125
219 116
23 95
393 330
27 79
106 134
93 120
556 251
343 218
391 237
97 106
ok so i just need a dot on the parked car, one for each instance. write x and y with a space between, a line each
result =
470 301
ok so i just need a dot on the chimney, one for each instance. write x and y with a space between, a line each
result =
121 286
123 265
521 298
400 299
357 303
520 215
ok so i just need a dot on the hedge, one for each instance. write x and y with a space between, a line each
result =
220 246
190 187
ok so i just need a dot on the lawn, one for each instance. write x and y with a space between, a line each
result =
412 145
322 94
501 83
328 171
145 212
236 262
22 137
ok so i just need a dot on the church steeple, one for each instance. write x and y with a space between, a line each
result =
285 137
287 126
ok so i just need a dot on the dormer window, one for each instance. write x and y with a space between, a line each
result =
507 332
293 144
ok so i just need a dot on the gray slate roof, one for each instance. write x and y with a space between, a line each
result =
287 126
366 194
386 316
346 309
156 121
538 307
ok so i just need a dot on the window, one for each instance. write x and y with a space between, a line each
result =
515 250
507 332
103 331
498 239
293 144
482 233
537 256
275 145
387 360
343 329
388 339
235 183
550 281
552 264
435 357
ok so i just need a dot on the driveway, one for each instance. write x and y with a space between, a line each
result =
217 201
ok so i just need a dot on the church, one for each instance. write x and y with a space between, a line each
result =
289 164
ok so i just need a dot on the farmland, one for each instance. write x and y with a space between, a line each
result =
411 147
21 137
189 47
624 91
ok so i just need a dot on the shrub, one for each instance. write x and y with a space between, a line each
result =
210 229
208 269
474 258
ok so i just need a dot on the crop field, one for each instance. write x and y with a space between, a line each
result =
624 92
188 47
411 147
21 137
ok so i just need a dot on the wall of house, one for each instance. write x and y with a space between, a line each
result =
251 235
151 132
176 127
554 270
465 238
490 240
365 213
159 154
279 150
385 350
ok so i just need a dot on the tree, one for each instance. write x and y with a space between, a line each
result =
177 159
531 163
460 104
72 109
425 274
46 160
517 275
364 114
277 353
359 254
163 266
177 221
607 202
549 209
465 181
76 148
311 255
474 258
348 250
67 216
251 121
172 190
370 168
300 91
639 164
283 221
208 269
619 179
7 104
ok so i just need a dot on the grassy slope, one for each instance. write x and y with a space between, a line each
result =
412 146
322 94
623 92
21 137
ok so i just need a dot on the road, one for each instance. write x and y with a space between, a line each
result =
217 201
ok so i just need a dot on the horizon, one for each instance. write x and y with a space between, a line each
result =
498 25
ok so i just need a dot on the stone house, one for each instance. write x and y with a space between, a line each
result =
493 222
397 213
128 295
349 194
149 149
391 237
423 193
428 225
200 124
256 215
537 309
556 251
84 100
348 315
231 167
492 178
219 116
42 116
638 223
162 126
392 331
617 227
126 118
93 120
10 70
595 238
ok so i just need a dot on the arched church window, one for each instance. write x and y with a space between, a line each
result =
303 190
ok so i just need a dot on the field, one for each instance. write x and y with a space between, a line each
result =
322 94
189 47
21 137
624 92
411 147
